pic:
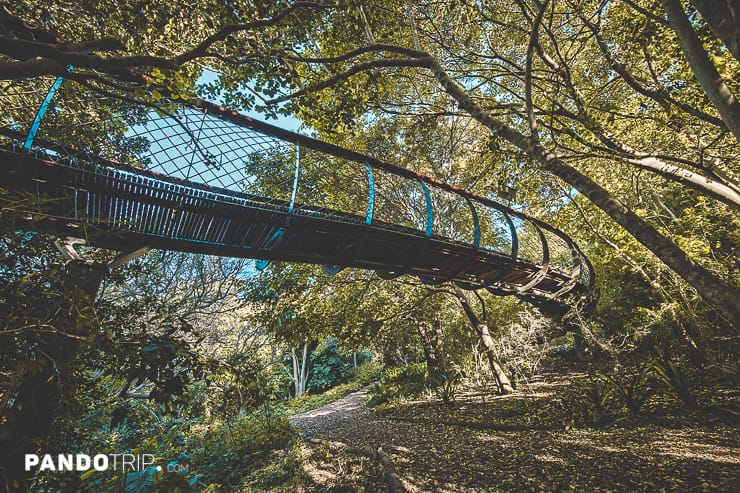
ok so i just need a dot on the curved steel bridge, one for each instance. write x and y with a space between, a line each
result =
196 177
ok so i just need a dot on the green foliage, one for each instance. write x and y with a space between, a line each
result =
399 382
223 452
445 386
671 374
328 366
633 389
592 403
210 454
241 383
601 400
142 481
151 333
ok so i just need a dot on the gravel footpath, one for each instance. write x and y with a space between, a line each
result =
340 420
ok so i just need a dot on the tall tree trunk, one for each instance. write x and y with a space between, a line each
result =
717 293
433 349
502 379
723 16
27 422
438 341
481 328
300 369
705 72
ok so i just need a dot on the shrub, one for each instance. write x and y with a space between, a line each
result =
673 376
328 368
404 381
445 386
221 453
633 389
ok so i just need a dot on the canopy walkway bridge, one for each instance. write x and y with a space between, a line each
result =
195 177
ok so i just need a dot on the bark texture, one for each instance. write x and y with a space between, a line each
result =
723 16
431 341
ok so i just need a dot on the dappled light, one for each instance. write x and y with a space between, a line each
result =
376 246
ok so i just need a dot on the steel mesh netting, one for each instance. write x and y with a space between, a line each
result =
169 139
80 123
193 145
453 217
561 255
203 148
495 230
329 183
530 243
400 201
586 276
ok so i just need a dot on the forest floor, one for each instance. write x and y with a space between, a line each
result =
521 442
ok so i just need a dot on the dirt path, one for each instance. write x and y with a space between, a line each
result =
339 420
682 455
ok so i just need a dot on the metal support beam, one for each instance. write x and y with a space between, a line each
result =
127 257
476 223
430 210
514 236
42 111
67 248
370 195
273 242
295 176
331 270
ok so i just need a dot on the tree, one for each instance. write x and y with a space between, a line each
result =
481 328
47 314
61 337
300 373
80 34
569 110
560 119
432 342
724 18
704 70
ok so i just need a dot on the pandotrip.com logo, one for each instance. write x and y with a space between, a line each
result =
97 462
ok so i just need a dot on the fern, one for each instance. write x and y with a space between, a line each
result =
634 390
142 481
672 376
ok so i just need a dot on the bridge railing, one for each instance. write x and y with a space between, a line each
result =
210 145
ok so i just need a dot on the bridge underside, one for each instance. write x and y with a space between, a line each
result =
125 208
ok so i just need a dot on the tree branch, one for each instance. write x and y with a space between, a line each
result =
41 58
658 95
533 41
723 16
229 29
704 71
355 69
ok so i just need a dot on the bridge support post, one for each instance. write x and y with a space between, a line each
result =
42 111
